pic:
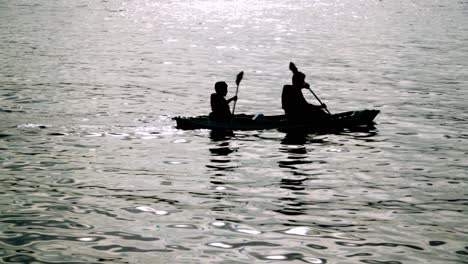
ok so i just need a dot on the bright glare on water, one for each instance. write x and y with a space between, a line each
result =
93 169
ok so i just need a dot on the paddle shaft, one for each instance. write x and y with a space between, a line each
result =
238 80
318 100
234 106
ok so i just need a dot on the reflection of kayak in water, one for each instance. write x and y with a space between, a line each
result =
339 121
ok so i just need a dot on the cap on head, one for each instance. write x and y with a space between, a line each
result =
298 78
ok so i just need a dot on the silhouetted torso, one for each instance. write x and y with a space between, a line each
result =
220 108
297 109
293 100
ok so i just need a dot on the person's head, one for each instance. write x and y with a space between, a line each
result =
298 79
221 88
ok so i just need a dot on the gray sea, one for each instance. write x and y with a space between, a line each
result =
93 169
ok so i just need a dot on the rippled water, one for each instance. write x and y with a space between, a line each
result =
93 169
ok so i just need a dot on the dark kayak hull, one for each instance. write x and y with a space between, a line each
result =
339 121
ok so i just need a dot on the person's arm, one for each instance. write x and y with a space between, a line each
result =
232 99
307 86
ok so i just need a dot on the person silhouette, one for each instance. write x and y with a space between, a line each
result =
295 106
219 105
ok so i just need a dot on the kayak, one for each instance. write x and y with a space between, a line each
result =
340 121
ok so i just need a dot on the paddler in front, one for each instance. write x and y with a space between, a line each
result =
295 106
219 105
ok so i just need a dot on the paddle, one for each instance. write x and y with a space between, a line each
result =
238 80
294 69
318 100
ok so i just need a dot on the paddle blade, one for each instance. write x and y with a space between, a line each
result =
239 77
293 67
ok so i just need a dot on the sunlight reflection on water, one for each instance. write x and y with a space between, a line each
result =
93 169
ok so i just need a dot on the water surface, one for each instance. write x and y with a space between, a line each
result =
93 169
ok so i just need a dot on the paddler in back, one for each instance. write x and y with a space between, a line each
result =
219 105
295 106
